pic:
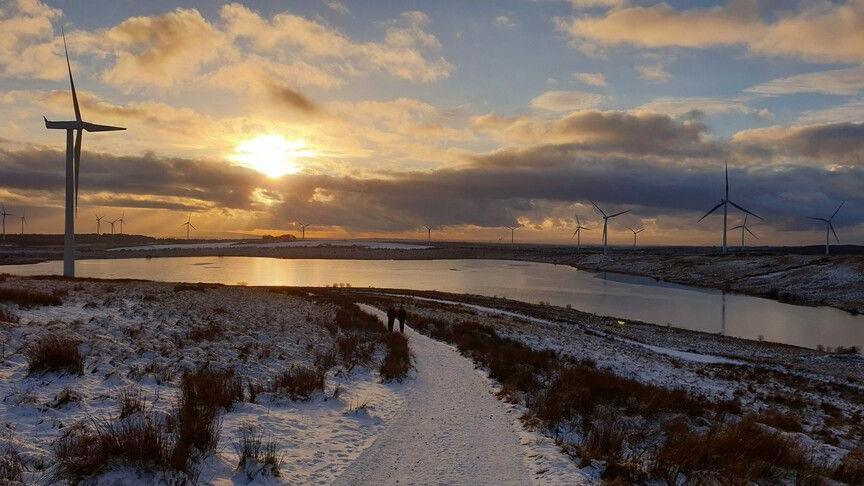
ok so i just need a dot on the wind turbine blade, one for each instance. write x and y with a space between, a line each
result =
745 210
736 227
631 229
837 210
711 211
727 178
598 208
751 233
835 233
92 127
817 219
71 81
640 230
77 163
618 214
574 234
578 223
192 225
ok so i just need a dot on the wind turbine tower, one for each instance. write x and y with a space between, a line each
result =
303 227
578 233
23 219
3 213
188 224
635 232
743 227
121 221
73 166
606 219
829 226
725 202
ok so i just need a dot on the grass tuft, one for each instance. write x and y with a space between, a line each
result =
397 360
256 455
55 353
28 298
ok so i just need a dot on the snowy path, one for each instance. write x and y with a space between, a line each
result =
451 428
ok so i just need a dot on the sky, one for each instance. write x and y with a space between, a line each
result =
373 119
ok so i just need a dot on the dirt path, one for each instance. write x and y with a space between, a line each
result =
450 430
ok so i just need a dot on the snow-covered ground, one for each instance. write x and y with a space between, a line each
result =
376 245
135 336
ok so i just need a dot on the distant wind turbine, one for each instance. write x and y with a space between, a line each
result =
606 219
98 223
4 214
303 227
122 220
512 229
428 232
188 224
73 166
725 202
743 227
112 228
23 219
829 226
578 233
635 232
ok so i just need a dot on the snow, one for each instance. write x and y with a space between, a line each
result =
452 429
376 245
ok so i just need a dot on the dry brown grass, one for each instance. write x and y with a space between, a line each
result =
130 402
298 383
779 420
28 298
54 353
88 449
257 455
851 468
397 360
729 454
11 466
211 332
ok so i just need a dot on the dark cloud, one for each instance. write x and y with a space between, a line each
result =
840 142
291 98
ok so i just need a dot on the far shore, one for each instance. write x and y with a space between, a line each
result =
793 275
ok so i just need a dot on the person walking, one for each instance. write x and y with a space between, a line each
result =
401 314
391 316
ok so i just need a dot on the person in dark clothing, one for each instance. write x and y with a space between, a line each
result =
391 316
401 315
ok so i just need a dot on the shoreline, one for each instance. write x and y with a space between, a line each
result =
808 280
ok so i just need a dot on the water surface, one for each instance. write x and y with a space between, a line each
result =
613 294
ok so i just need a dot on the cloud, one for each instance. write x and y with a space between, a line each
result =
705 105
28 49
503 22
582 4
847 81
818 31
615 132
162 50
832 143
294 99
337 6
655 73
591 79
565 101
853 111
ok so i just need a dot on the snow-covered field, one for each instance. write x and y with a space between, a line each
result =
136 336
376 245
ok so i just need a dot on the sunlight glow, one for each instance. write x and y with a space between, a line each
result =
272 155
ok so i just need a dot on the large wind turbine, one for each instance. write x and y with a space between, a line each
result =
578 233
99 224
73 166
606 219
635 232
743 227
122 220
188 224
725 202
23 219
303 227
829 226
3 213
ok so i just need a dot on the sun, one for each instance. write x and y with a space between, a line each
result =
272 155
